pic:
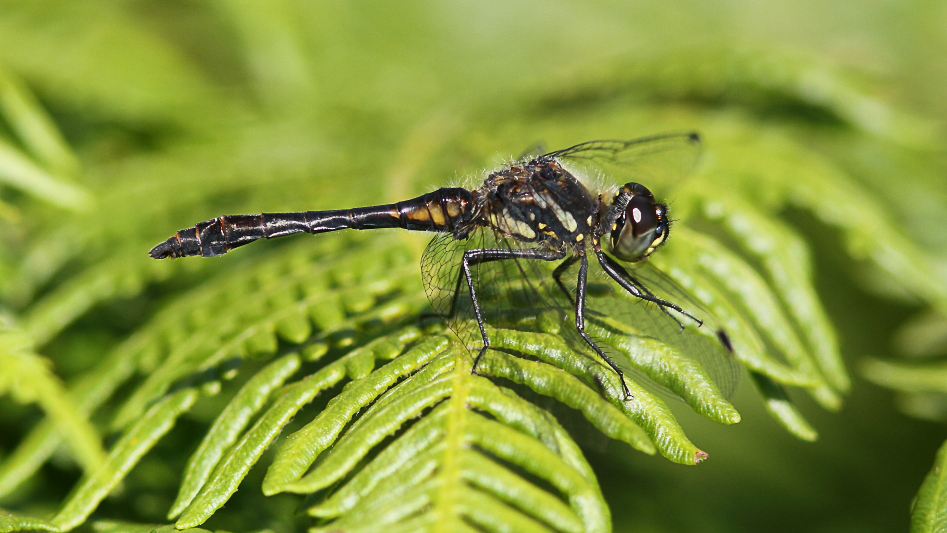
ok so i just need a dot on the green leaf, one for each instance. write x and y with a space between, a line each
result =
95 487
29 378
929 511
106 526
18 171
236 464
44 166
88 394
34 127
228 425
16 522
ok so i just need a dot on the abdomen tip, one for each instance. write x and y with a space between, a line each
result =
162 251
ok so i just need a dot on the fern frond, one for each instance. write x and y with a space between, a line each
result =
645 409
432 454
227 427
116 277
239 460
29 378
929 510
785 259
110 526
267 304
10 522
88 394
908 377
42 165
137 441
32 126
207 340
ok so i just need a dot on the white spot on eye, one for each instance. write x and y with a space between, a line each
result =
636 214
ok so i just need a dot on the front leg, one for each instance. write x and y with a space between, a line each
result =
580 293
620 275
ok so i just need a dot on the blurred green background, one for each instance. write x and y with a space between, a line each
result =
155 115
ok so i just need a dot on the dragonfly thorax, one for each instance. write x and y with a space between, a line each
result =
539 201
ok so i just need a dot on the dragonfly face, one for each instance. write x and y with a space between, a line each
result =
640 225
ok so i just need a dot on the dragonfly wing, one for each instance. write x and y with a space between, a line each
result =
511 292
701 345
658 161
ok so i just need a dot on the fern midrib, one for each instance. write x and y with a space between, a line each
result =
456 429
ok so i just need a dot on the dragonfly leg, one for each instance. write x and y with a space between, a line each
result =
666 311
580 291
620 275
560 270
486 255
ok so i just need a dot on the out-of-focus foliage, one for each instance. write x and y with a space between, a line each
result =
812 230
27 378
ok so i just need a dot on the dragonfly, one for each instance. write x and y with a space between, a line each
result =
534 210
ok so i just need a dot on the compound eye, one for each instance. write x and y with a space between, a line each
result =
641 228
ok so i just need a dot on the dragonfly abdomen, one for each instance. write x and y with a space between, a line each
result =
443 210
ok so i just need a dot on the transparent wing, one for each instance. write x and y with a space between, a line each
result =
532 152
712 347
511 292
657 162
614 310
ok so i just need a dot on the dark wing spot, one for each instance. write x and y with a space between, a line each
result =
724 340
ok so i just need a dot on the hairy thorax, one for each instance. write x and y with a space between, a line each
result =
538 202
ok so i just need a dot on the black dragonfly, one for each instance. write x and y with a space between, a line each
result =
533 210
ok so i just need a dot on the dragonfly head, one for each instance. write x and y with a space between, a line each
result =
639 224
